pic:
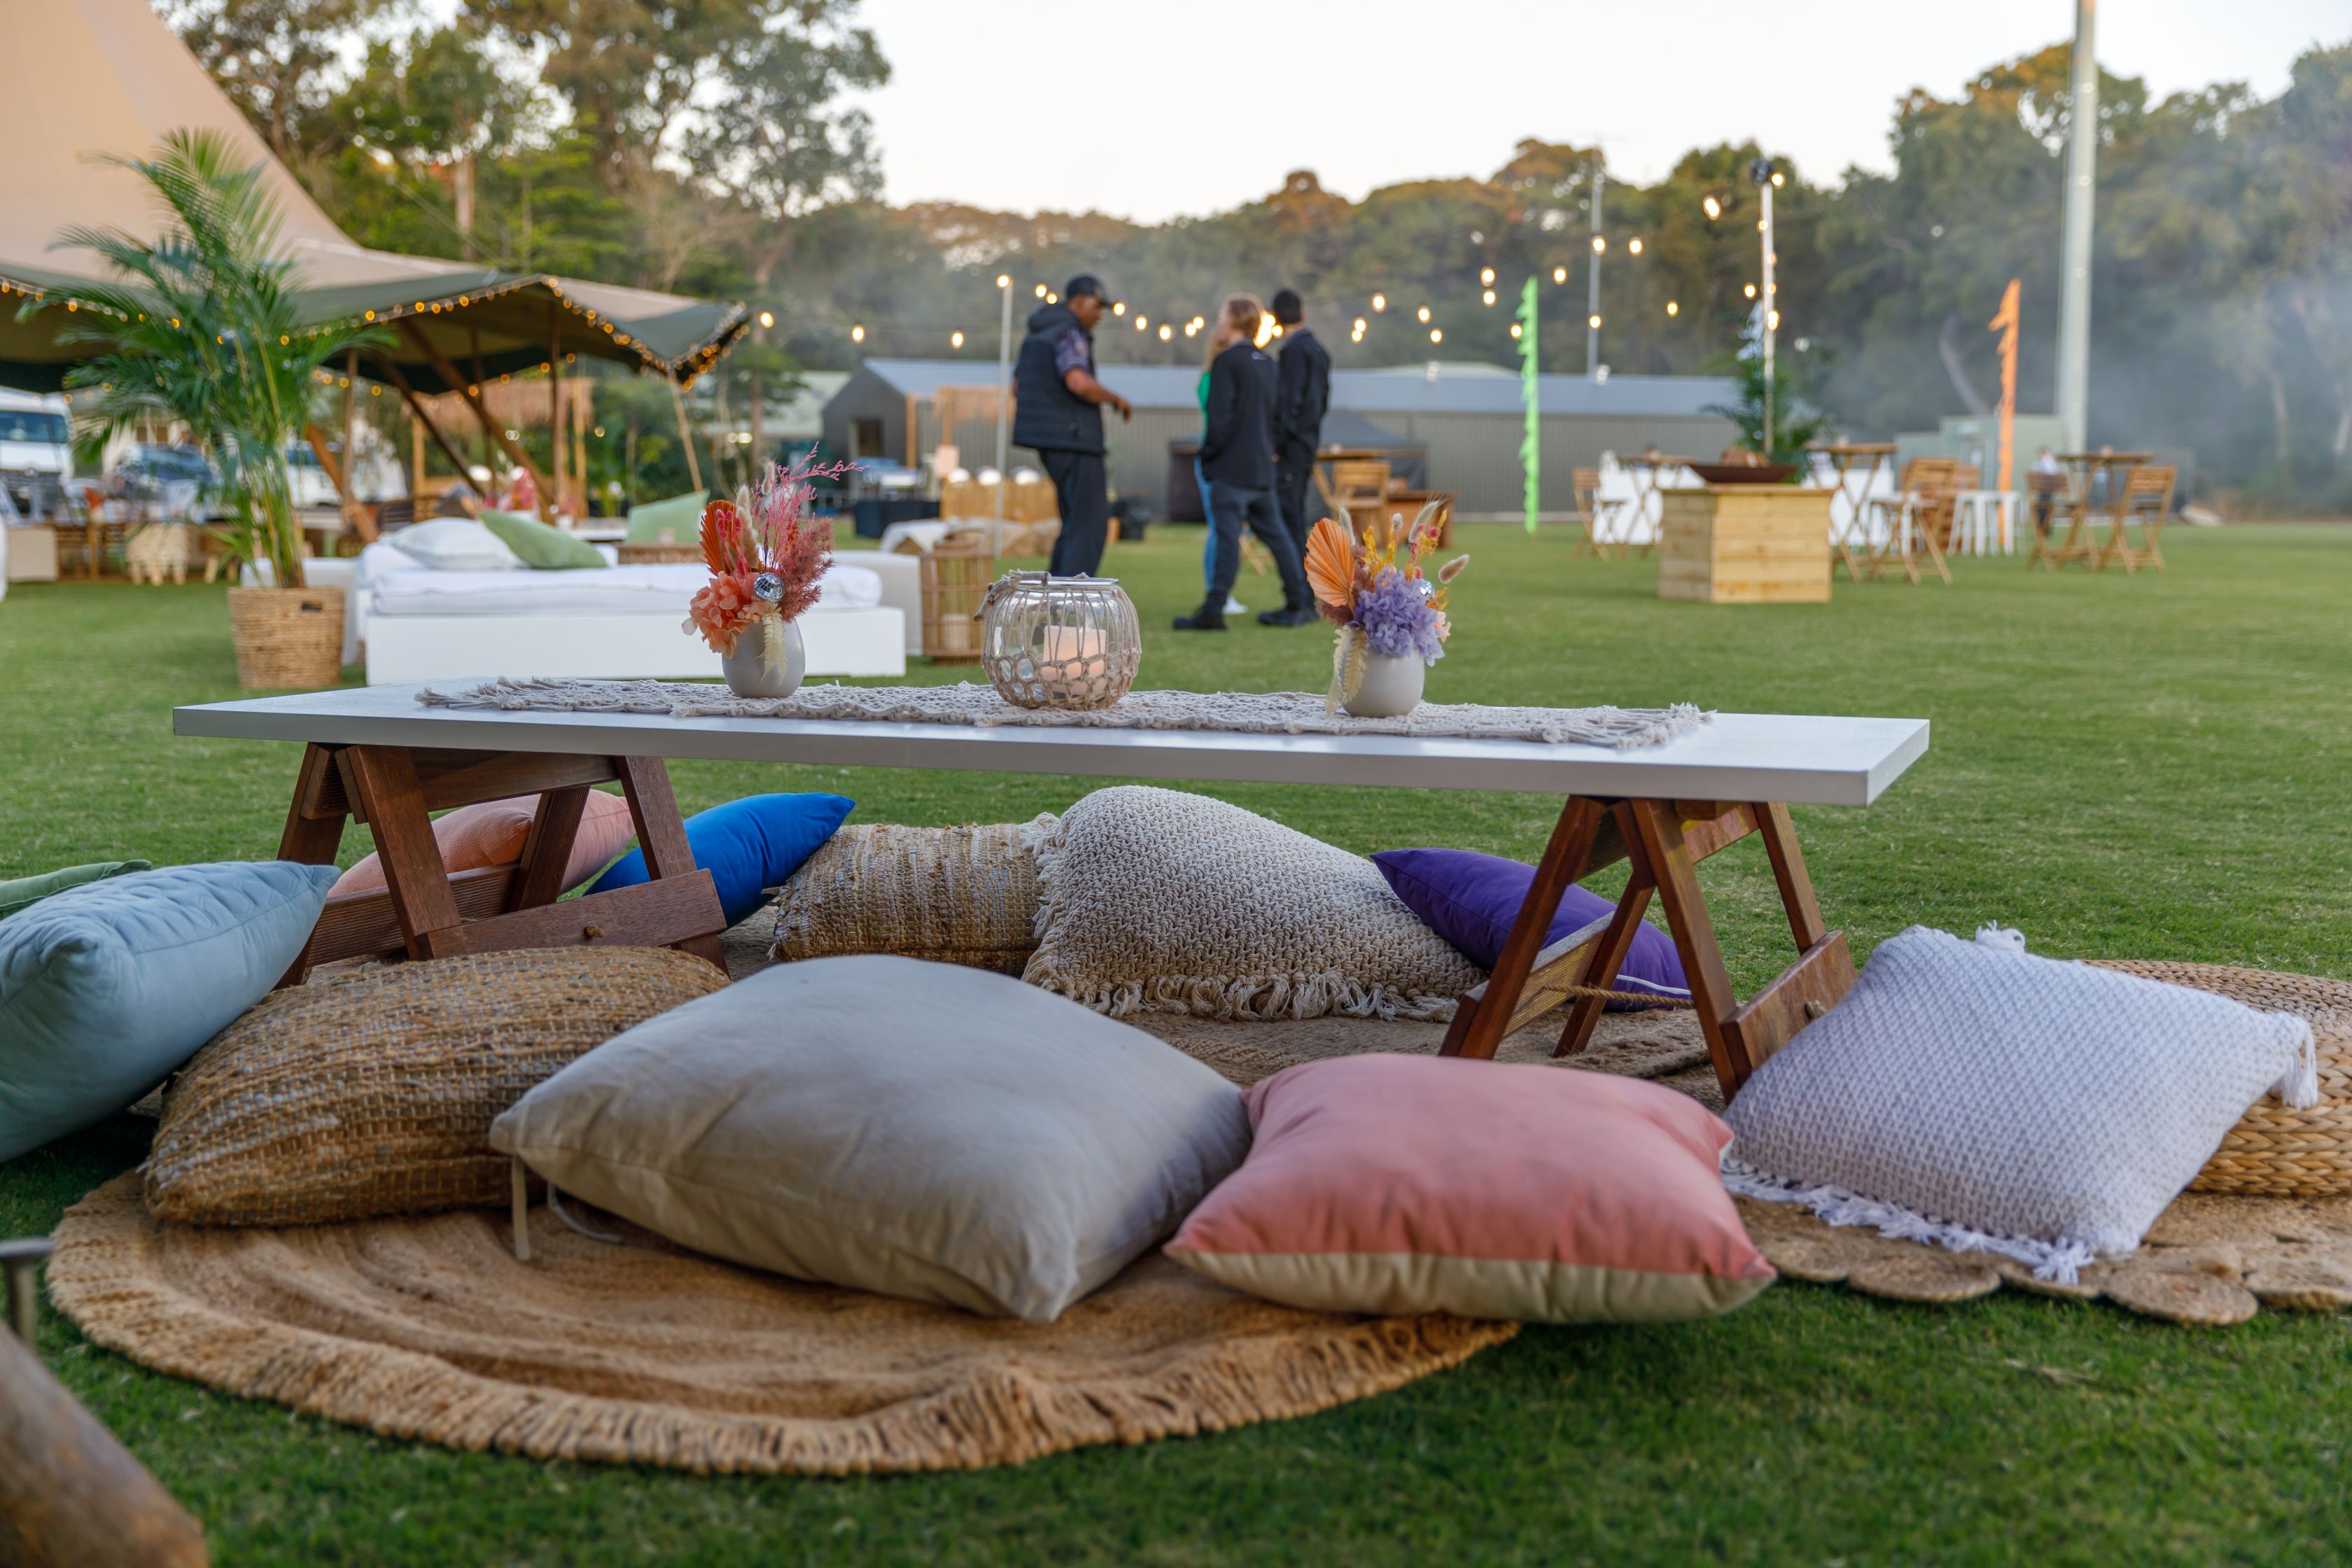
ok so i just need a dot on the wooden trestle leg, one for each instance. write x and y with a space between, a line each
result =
1665 841
423 911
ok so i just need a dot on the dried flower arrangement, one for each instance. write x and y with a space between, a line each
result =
1379 599
765 556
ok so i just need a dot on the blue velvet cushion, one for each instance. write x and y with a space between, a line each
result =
107 987
749 845
1472 899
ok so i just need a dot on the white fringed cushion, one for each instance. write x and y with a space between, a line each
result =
1157 901
1969 1094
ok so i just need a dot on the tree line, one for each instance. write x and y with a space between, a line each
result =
712 147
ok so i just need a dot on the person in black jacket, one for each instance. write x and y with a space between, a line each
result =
1057 413
1237 456
1305 395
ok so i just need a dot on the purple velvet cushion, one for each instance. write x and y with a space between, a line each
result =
1471 899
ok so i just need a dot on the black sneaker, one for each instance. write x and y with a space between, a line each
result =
1209 617
1287 617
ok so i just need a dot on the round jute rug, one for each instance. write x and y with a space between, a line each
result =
429 1329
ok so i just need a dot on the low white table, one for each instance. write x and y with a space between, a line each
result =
377 754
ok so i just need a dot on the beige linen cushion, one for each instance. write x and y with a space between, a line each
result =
954 895
1158 901
373 1094
917 1130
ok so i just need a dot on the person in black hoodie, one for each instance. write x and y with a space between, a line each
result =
1305 396
1237 456
1057 413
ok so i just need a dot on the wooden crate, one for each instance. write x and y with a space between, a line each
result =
1745 544
955 578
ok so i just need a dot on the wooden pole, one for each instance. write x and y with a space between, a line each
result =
490 428
554 405
583 407
685 435
347 488
424 426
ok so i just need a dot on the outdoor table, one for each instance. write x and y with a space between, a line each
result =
1848 458
2083 471
376 753
1645 474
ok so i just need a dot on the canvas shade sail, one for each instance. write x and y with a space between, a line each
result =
108 75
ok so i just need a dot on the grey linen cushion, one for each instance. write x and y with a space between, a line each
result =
1969 1094
1160 901
918 1130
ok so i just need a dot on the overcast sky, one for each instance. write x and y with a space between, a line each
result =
1151 109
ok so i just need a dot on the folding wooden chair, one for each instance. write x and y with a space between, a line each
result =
1921 508
2146 503
1587 491
1356 484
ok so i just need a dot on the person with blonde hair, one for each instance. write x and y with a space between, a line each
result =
1237 460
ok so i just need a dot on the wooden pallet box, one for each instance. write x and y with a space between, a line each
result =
1745 544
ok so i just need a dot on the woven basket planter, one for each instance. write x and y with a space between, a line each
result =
373 1094
287 639
2275 1152
952 895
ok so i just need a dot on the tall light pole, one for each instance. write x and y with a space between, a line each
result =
1766 177
2074 266
1592 286
1003 382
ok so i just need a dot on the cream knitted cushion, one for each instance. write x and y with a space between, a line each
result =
952 895
1158 901
1968 1094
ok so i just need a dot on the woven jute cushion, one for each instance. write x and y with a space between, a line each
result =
951 895
2275 1151
373 1094
1158 901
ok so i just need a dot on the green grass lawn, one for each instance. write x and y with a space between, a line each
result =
2150 767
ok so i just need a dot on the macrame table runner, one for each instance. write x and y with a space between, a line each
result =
1248 712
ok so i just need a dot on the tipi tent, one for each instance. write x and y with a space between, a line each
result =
108 75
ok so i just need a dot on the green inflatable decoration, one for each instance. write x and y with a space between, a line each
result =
1530 444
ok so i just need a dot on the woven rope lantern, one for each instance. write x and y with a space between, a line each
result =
1070 643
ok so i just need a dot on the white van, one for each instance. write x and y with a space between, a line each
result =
36 451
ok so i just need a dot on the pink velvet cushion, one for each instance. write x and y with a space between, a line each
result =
1393 1183
493 834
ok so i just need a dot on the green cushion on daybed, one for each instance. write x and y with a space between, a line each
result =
682 515
538 546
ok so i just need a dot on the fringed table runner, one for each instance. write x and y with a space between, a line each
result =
1246 712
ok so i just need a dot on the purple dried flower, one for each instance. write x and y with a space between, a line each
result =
1397 621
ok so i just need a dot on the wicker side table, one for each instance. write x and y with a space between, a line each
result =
956 574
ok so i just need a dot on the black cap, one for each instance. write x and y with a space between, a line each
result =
1087 283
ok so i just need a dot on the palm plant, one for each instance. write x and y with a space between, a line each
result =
1796 422
202 330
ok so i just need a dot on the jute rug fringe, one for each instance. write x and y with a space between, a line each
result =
652 1357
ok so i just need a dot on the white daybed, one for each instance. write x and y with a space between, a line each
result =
415 623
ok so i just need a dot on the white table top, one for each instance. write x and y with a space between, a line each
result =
1739 756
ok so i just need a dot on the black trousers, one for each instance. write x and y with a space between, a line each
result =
1229 509
1293 493
1082 490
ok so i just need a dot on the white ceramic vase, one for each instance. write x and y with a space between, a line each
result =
750 672
1391 687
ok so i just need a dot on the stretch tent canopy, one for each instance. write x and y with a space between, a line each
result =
109 75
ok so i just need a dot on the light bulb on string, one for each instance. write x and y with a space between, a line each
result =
1748 290
1515 329
1423 313
1119 308
856 334
1142 323
1592 321
1379 302
1559 274
1488 298
1714 208
1164 333
1004 280
1360 324
1672 309
1041 290
1600 243
1436 336
1634 244
955 340
1486 275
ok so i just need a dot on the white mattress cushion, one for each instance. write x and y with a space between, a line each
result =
663 590
454 544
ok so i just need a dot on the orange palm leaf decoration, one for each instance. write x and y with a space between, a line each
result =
1331 564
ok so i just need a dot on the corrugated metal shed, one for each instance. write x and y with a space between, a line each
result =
1467 415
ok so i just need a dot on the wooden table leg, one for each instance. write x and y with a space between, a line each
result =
383 779
1660 854
1608 959
547 851
661 834
312 835
1479 1028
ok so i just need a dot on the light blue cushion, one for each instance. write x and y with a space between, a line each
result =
750 846
107 987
